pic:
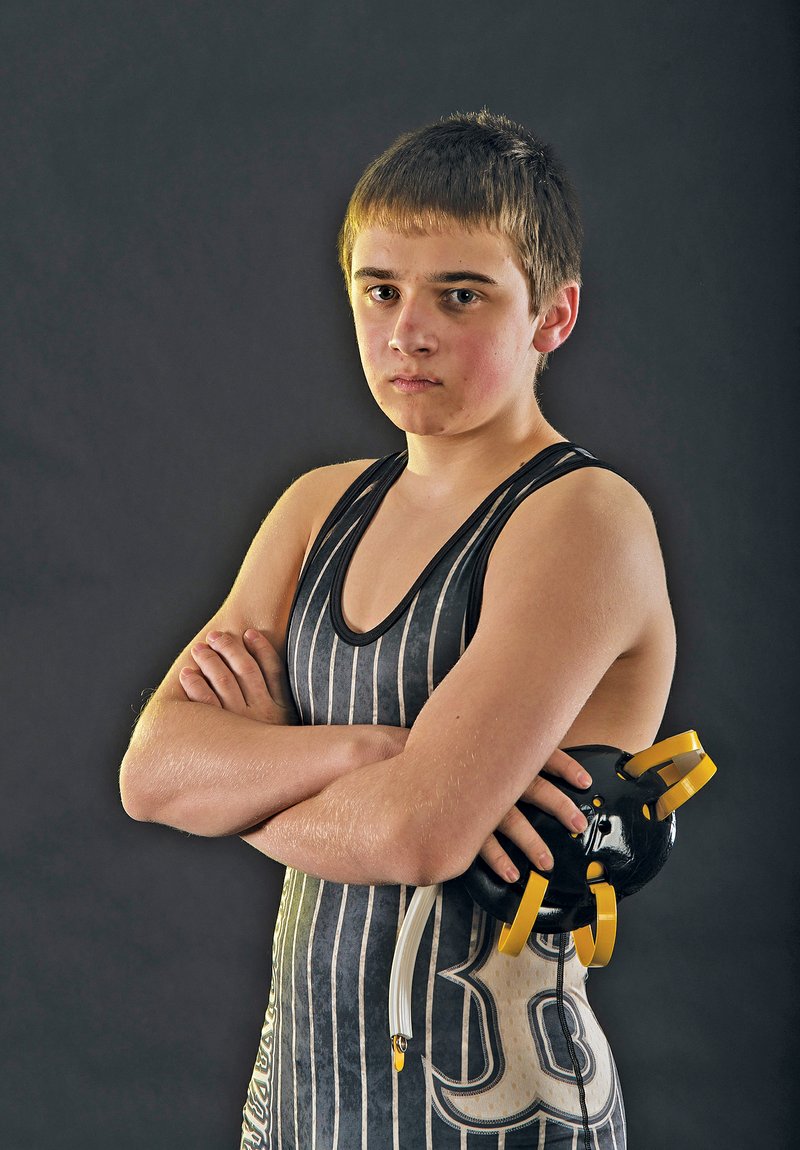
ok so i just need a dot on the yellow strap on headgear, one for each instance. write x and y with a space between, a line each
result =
595 949
513 937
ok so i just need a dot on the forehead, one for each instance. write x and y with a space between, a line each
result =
424 253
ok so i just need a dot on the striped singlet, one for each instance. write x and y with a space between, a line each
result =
506 1052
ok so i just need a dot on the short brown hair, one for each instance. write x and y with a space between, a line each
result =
480 170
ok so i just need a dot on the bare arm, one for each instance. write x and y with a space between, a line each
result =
572 581
213 772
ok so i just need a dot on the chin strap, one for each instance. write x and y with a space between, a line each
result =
514 936
596 947
682 764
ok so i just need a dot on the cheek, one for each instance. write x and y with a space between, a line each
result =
369 341
487 362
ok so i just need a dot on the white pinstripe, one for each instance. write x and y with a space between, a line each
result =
334 1029
361 1037
353 684
375 657
294 1012
278 1033
315 632
401 659
331 665
311 1018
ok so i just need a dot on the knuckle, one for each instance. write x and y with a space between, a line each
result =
492 851
514 818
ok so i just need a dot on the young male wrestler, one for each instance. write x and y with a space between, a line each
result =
460 615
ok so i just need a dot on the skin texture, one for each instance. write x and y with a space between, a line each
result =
575 642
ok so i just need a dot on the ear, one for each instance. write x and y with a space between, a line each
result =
558 320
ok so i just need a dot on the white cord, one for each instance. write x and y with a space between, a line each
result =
405 957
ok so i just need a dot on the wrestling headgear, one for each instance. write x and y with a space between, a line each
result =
630 808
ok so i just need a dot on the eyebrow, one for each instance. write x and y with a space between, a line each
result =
434 277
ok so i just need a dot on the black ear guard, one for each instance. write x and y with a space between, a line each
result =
630 808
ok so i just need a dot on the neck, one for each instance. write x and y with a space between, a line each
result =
443 467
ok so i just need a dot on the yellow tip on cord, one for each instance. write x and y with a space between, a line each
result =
399 1047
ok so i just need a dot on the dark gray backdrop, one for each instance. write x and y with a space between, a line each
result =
179 349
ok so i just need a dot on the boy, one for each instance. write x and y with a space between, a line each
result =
408 643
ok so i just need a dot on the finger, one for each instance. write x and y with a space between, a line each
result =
196 688
271 665
220 677
567 768
517 828
498 859
550 798
246 671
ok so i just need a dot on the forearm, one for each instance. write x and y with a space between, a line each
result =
356 830
210 772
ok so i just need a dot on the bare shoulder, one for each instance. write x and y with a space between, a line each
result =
319 482
588 537
590 509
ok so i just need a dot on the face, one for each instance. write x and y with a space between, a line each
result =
444 328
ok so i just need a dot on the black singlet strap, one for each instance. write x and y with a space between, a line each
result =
359 484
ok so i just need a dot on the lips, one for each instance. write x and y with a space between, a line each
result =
411 383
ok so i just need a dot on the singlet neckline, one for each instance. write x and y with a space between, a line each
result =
396 465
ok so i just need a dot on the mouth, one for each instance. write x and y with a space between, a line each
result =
414 382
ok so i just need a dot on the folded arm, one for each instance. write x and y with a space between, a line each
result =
212 771
571 583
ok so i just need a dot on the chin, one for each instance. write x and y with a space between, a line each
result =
413 422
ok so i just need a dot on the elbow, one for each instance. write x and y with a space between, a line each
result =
137 801
141 774
429 854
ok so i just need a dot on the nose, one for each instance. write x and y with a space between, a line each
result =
413 332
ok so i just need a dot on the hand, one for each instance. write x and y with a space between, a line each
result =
244 675
541 793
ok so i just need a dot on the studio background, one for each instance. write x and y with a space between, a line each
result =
178 348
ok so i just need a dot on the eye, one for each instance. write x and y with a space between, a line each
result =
462 296
382 293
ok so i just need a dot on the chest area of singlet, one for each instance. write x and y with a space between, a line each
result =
386 674
398 543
